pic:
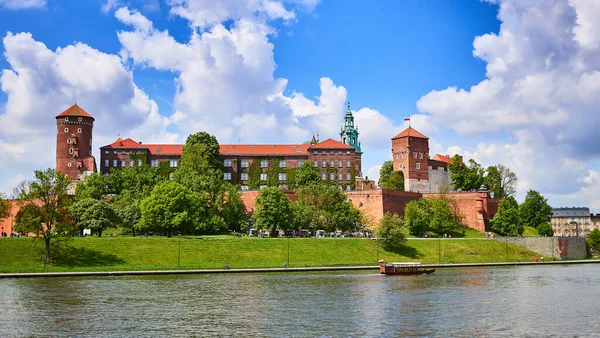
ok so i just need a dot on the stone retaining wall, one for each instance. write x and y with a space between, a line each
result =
559 247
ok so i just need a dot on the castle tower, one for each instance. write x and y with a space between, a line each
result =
348 132
410 153
74 143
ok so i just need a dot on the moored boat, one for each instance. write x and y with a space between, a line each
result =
403 268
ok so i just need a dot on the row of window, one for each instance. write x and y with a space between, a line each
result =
284 187
401 166
415 155
123 152
115 163
263 163
79 119
172 163
283 176
332 176
316 152
331 164
78 130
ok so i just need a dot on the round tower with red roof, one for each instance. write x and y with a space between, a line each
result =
74 143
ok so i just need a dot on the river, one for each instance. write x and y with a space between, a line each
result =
507 301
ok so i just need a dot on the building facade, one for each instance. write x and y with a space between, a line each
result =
574 221
410 154
74 143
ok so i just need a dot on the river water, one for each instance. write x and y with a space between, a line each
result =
509 301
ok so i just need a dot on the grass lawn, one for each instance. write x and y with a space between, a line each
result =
530 232
141 253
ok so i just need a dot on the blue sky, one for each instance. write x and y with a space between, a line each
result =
481 79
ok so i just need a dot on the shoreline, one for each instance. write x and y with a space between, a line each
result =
267 270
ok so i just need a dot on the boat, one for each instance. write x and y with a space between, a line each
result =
403 268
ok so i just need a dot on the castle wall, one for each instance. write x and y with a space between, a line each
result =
375 203
559 247
416 185
439 179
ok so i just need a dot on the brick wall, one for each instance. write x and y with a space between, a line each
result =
375 203
7 224
249 199
73 145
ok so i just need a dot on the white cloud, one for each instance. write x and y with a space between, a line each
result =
543 75
22 4
109 5
135 19
40 83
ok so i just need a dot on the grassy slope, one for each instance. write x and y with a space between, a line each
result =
530 232
139 253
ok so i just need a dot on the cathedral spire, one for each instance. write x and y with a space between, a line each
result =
349 132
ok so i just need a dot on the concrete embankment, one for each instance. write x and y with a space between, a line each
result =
263 270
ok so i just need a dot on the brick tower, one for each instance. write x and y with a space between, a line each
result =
410 153
74 143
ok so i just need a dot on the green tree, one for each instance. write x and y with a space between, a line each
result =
45 208
95 186
443 220
593 240
501 181
233 210
395 181
506 221
307 174
392 232
384 173
535 210
545 229
96 215
4 207
330 209
210 149
273 210
171 207
465 178
129 215
417 216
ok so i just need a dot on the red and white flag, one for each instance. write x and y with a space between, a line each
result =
407 119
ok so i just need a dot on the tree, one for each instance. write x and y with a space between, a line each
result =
4 207
501 181
391 231
506 221
233 210
306 175
384 173
210 148
273 210
535 210
417 216
45 208
171 207
329 208
395 181
593 240
465 178
95 186
545 230
96 215
442 218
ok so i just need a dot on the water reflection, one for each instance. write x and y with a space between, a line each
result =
538 301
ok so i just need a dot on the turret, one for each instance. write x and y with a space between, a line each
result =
74 143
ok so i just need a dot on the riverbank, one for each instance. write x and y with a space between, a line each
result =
275 270
109 254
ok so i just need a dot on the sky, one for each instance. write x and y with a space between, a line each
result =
500 81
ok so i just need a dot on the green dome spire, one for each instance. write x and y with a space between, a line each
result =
349 132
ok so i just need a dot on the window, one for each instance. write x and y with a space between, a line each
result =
227 163
400 166
339 152
154 163
123 163
139 162
347 152
414 154
402 155
323 176
244 187
264 163
262 187
244 163
421 155
282 176
79 130
331 163
173 163
331 152
227 176
68 164
418 165
170 176
67 118
106 164
316 163
331 176
79 119
66 130
244 176
300 163
68 141
316 152
123 152
347 187
323 152
70 150
340 163
324 164
107 152
347 176
347 163
115 152
131 163
263 177
339 187
282 164
339 176
115 163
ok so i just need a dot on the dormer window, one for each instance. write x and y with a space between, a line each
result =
66 119
79 119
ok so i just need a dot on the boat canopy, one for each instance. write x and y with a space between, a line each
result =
406 264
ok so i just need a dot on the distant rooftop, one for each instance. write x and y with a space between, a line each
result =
571 212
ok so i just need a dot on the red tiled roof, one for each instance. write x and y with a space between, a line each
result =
74 110
264 149
409 132
126 143
331 144
442 158
164 149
